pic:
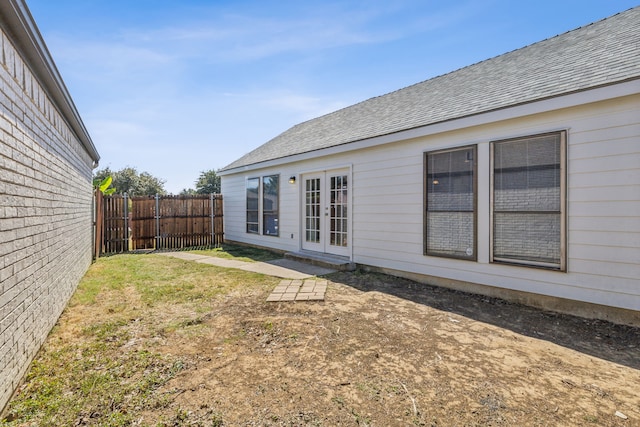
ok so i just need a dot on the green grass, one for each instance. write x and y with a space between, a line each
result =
240 253
93 380
160 279
103 367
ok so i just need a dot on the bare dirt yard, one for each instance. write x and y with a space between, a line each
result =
379 351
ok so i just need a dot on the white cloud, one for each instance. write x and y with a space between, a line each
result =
255 35
104 57
179 96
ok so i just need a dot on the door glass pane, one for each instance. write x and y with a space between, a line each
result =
338 210
312 208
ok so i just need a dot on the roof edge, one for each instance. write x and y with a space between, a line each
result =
25 34
623 90
462 68
254 162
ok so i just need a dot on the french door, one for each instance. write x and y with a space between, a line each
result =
325 212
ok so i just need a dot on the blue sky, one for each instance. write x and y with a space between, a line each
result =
176 87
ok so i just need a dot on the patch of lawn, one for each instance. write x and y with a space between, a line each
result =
103 362
159 279
241 253
92 381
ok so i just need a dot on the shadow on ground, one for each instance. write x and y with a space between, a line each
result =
605 340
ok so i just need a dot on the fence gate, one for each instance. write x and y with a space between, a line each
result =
160 222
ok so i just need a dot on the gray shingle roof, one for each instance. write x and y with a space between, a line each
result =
598 54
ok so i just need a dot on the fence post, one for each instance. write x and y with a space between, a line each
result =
125 246
213 220
98 224
157 217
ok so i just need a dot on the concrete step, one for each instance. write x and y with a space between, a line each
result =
322 260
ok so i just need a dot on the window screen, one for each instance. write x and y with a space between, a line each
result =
450 203
528 184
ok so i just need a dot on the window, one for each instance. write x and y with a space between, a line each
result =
270 205
528 198
263 205
451 203
253 207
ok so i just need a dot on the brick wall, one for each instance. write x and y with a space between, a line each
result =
45 215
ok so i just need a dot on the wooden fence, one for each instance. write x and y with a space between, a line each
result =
157 222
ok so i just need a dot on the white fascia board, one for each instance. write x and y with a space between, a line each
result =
575 99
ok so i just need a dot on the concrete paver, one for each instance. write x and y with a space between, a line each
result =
311 289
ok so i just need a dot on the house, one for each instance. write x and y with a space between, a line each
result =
46 196
516 177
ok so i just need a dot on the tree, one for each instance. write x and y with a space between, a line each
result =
208 182
188 192
128 180
149 185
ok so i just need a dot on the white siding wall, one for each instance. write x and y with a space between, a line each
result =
234 191
45 216
603 154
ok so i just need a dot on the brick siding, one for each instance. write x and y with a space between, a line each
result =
45 216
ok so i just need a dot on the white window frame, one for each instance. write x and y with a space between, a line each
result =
261 211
